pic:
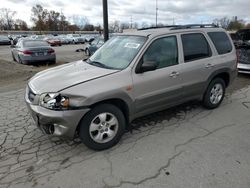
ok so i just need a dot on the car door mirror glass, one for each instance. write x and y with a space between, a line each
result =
147 66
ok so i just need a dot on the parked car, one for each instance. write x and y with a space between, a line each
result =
28 51
53 41
63 39
4 40
93 46
75 38
242 43
37 37
131 75
89 38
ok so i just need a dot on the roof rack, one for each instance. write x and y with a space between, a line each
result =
193 26
158 27
188 26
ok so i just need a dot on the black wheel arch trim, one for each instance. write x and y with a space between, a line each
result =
215 74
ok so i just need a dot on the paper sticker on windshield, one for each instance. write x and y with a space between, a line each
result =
132 45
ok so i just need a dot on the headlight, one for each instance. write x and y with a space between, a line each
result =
54 101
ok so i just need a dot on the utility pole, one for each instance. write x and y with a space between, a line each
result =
105 20
131 22
156 12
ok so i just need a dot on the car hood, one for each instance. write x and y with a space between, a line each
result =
65 76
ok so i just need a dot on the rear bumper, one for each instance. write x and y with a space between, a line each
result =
30 59
244 68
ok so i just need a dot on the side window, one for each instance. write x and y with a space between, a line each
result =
195 46
221 42
163 51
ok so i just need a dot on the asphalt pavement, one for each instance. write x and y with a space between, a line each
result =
185 146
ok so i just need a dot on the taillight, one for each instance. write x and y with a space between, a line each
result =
27 52
51 51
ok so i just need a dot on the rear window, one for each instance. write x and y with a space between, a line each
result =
35 43
221 42
195 46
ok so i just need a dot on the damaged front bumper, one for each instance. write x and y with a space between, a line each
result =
58 123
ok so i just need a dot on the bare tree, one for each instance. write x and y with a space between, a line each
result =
52 20
7 17
20 25
222 22
63 24
1 23
39 16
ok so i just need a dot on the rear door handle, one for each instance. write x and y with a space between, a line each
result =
174 74
209 65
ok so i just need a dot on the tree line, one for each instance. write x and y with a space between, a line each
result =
50 20
232 24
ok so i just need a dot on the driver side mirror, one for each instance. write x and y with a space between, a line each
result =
147 66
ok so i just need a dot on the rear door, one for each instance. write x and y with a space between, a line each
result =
157 89
197 63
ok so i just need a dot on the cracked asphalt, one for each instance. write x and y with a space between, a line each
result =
185 146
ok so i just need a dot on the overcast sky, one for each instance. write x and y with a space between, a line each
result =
179 11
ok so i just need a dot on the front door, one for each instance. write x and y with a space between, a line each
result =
154 90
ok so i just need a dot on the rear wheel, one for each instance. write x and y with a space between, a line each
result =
102 127
19 60
214 94
52 62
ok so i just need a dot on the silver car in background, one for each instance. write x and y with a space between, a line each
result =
31 51
4 40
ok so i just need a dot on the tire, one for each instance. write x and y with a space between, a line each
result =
97 122
19 60
214 94
52 62
87 52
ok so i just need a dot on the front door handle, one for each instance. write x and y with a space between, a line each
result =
174 74
209 65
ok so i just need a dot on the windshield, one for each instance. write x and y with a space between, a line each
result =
118 52
34 43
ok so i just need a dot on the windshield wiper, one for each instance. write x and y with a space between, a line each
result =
98 64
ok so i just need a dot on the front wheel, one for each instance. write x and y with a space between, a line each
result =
102 127
214 94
